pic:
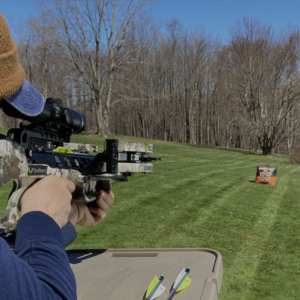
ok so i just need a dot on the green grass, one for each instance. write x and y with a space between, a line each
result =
206 197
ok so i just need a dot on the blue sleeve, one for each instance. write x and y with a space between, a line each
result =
69 234
39 268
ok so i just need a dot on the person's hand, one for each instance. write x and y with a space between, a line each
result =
83 214
51 195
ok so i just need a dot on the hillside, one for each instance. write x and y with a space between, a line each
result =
206 197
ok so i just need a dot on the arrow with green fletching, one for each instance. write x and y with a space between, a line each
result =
155 288
182 282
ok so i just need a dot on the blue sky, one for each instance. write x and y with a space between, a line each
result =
215 16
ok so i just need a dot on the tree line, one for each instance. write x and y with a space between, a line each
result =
131 75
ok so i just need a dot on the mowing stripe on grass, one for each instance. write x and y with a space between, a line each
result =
280 262
240 275
132 214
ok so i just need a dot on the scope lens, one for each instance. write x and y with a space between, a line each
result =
74 119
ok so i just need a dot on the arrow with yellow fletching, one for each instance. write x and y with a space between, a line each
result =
182 282
155 288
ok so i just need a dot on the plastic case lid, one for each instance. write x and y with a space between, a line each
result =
115 274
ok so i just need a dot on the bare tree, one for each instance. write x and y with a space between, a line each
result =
95 33
264 69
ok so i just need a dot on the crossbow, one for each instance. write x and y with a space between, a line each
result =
42 147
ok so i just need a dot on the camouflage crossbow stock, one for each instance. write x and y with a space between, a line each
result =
43 148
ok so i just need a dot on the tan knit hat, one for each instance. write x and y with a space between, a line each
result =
11 73
14 89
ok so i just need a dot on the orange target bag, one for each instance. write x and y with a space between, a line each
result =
266 175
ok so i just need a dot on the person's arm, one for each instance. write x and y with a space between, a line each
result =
69 234
39 269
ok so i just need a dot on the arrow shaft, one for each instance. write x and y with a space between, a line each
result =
180 282
154 290
172 294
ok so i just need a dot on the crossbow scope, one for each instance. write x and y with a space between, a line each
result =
53 117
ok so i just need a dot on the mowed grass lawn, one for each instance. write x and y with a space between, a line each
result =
206 197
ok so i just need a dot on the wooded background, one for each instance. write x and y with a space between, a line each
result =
129 74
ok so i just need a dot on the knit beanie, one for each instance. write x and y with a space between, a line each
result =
11 73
